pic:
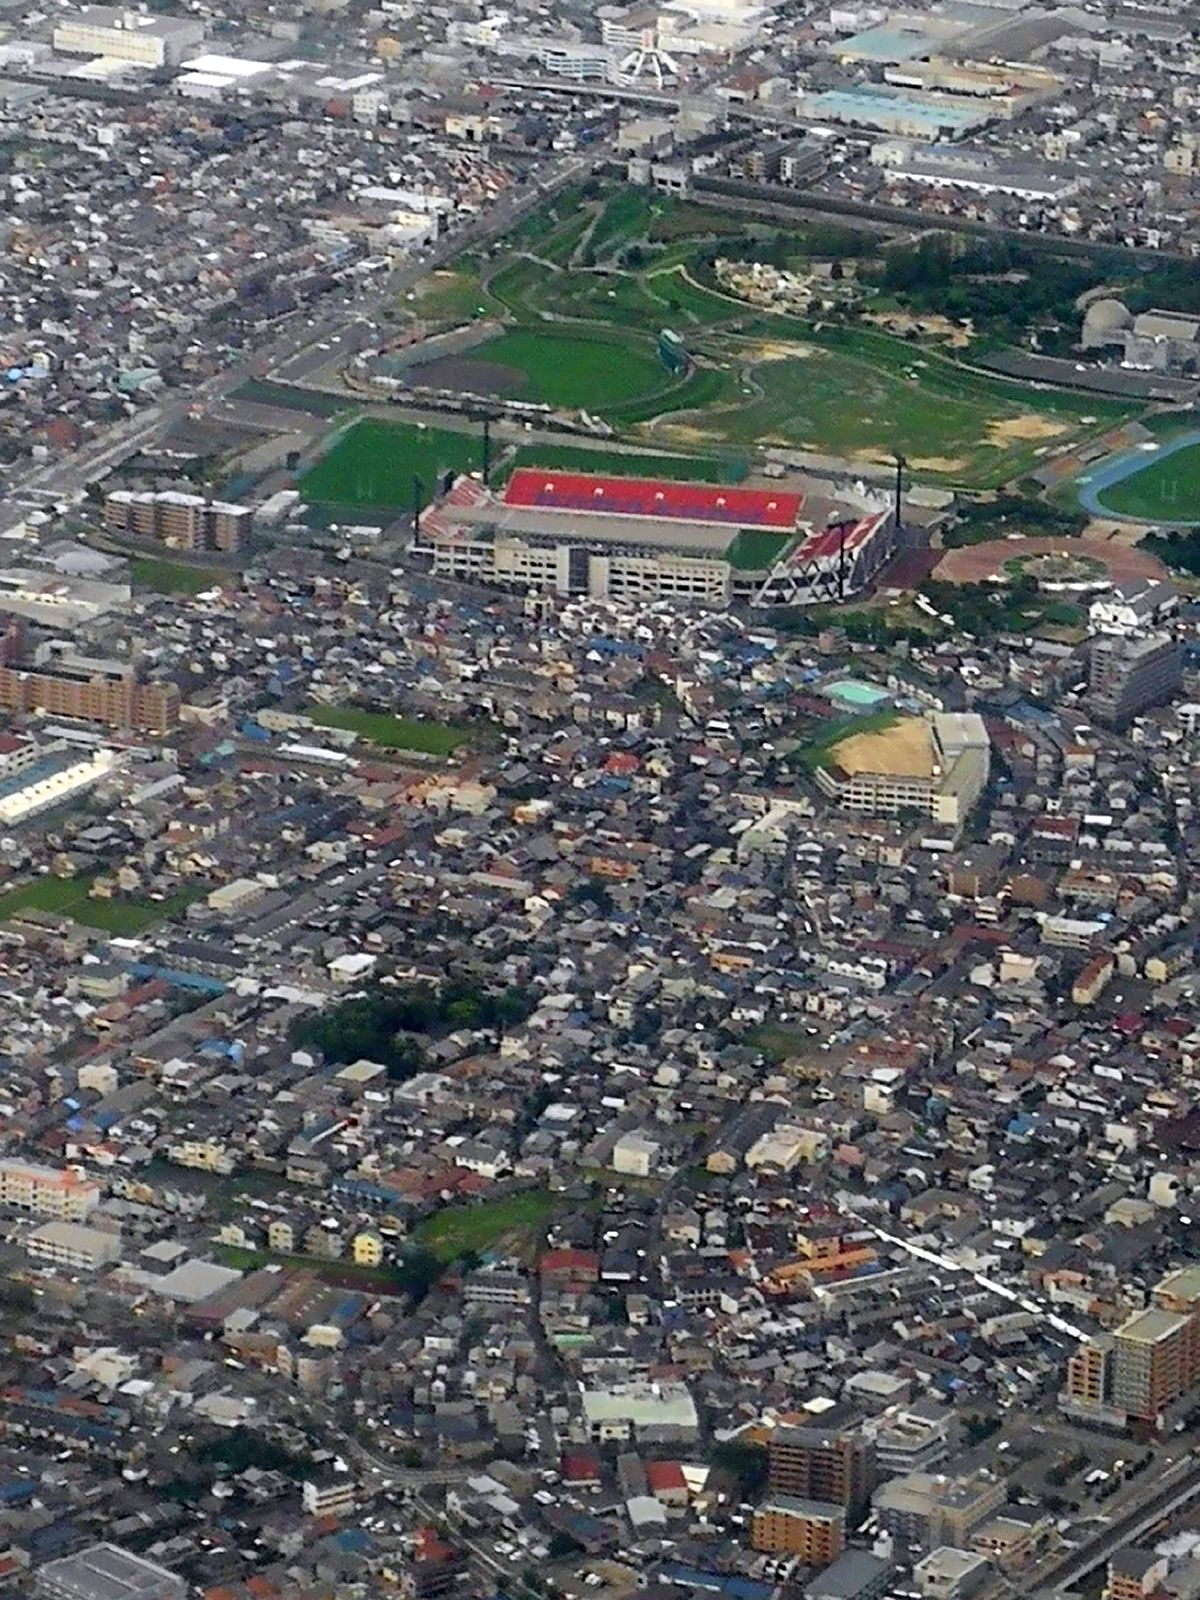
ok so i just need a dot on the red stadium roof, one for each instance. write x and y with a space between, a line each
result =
542 488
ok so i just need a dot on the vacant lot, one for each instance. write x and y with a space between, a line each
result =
778 1043
455 1230
173 577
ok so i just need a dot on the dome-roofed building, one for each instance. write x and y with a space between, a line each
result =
1104 322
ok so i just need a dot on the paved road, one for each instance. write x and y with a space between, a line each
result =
1180 1488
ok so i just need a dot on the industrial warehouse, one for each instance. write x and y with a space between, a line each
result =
647 539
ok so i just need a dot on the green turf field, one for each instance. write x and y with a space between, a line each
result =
173 577
564 368
68 897
371 464
392 733
679 469
1166 490
755 549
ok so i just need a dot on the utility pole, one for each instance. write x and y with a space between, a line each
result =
418 491
901 463
842 563
487 450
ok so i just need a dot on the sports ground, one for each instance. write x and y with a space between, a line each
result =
370 465
1148 486
551 366
584 288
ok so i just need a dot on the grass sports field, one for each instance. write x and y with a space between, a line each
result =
392 733
1164 490
372 463
623 464
173 577
68 897
585 286
819 751
562 368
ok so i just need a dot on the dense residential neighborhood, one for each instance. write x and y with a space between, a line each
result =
599 801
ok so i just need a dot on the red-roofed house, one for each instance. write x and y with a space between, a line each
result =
581 1468
569 1271
667 1483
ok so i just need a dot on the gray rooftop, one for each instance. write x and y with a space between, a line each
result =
106 1572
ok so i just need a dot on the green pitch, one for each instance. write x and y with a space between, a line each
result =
1163 491
568 369
627 464
371 466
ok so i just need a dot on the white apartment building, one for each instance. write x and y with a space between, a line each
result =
329 1497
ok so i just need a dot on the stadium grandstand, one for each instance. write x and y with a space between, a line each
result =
642 538
837 560
653 498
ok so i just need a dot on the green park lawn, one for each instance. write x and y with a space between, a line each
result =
849 390
455 1230
392 733
68 897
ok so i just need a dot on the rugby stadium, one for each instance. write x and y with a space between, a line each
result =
641 538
